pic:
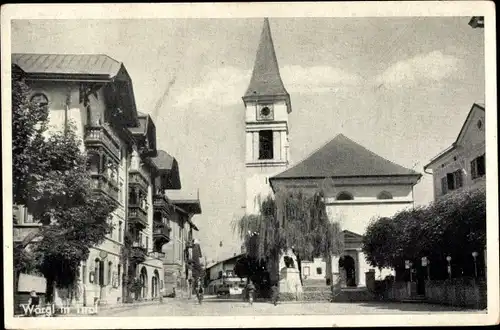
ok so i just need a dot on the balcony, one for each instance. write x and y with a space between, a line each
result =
138 252
137 178
157 255
102 184
161 203
161 232
137 215
99 137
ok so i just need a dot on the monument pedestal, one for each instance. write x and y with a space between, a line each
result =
290 282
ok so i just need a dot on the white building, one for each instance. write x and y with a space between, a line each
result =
95 93
364 184
463 164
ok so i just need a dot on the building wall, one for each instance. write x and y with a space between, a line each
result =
64 105
259 171
470 146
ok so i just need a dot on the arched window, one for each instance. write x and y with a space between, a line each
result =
120 231
384 195
110 268
344 196
96 271
40 100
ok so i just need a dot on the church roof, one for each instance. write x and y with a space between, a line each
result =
266 79
342 157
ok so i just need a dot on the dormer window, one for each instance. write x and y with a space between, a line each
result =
384 195
344 196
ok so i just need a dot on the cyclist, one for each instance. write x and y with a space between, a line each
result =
199 290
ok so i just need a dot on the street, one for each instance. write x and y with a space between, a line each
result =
223 307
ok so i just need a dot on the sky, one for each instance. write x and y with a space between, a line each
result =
401 87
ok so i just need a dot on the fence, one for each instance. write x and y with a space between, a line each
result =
461 292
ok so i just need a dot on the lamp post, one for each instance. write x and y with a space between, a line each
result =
425 263
84 271
448 259
474 255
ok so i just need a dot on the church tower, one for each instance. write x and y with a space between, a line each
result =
267 105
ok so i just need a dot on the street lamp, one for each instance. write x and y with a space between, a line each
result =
474 255
84 271
425 263
448 258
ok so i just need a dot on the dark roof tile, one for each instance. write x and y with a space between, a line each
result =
342 157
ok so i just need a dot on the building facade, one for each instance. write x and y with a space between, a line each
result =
463 164
359 186
267 106
95 94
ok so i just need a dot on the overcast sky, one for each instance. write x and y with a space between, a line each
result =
401 87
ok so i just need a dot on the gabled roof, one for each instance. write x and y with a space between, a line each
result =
168 168
342 157
479 106
81 64
266 79
192 206
94 69
145 129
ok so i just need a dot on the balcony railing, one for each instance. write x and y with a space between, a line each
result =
103 184
138 215
138 178
99 136
138 252
157 255
161 202
161 231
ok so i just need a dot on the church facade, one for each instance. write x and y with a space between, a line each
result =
359 185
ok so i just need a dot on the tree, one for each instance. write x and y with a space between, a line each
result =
293 220
454 225
28 125
55 186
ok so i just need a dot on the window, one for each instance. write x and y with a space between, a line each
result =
451 181
266 144
119 272
319 270
40 100
344 196
384 195
120 224
97 271
478 167
110 267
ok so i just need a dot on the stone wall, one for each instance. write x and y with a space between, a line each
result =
461 292
457 292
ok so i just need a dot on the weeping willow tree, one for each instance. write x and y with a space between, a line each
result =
292 220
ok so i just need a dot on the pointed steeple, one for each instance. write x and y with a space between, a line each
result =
266 80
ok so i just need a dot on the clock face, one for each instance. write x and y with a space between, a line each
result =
265 113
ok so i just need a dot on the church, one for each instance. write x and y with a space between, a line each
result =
359 184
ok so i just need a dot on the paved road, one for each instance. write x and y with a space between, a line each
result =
221 307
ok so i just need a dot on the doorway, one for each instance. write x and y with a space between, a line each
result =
350 271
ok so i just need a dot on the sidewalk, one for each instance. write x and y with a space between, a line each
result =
93 311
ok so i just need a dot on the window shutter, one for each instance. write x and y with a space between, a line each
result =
458 179
444 186
473 169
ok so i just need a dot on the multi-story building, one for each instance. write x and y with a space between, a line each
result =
178 270
95 93
463 164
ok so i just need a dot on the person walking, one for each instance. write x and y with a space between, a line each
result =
275 294
33 303
250 290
